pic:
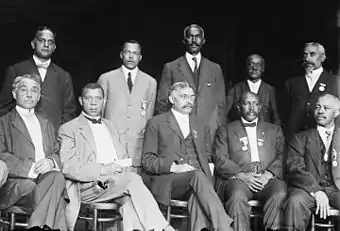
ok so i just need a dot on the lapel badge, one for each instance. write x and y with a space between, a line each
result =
143 113
334 163
195 134
244 143
334 157
143 105
260 142
322 87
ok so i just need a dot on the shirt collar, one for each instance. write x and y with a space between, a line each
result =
180 116
315 74
322 130
91 117
126 71
257 83
24 111
37 61
245 121
189 57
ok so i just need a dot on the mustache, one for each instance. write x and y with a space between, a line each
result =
187 105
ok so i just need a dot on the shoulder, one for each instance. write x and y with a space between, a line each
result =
271 126
212 64
233 125
70 125
267 85
147 77
175 62
110 74
158 119
59 69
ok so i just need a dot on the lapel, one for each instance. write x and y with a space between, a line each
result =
241 134
19 124
315 146
121 81
262 89
173 125
244 87
120 151
86 132
139 85
336 157
44 133
184 67
322 80
197 132
261 131
204 73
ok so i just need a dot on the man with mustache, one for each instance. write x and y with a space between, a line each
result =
302 91
249 165
205 75
175 161
314 167
130 94
255 84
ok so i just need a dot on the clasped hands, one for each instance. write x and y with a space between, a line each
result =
255 181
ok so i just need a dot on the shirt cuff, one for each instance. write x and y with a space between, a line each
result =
31 173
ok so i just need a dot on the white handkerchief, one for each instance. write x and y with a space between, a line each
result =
124 162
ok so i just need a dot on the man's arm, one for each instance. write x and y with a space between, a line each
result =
69 102
298 176
162 104
152 160
70 155
221 97
225 167
276 167
152 99
272 101
6 99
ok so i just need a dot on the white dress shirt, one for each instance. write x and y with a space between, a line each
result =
106 152
323 134
133 73
252 140
42 71
254 87
191 62
183 122
313 77
33 126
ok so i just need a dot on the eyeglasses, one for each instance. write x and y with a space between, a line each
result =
50 42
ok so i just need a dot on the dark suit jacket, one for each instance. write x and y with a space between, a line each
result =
267 96
210 95
57 101
230 159
163 143
300 103
18 152
305 152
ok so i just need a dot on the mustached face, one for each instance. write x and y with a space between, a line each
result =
249 107
194 40
312 58
182 100
325 111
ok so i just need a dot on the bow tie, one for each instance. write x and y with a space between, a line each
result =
94 121
253 124
43 65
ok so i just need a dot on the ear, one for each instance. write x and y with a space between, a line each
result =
55 47
121 55
171 99
203 41
14 94
140 57
33 44
238 108
323 57
337 112
80 101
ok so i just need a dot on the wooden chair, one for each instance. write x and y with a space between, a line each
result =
329 226
96 217
9 216
256 212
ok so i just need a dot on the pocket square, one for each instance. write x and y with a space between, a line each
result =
209 84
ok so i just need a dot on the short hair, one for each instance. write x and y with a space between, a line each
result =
44 27
35 77
191 26
180 85
335 99
133 42
246 93
258 56
91 86
318 46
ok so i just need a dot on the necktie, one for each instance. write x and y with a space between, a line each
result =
94 121
43 65
195 67
129 82
253 124
328 144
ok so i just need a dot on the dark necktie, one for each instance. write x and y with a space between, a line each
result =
328 144
129 82
253 124
94 121
196 66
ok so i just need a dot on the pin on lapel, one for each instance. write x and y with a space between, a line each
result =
244 143
322 87
334 155
260 142
195 134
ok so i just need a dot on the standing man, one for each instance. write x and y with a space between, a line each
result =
130 99
57 101
255 84
205 75
29 148
314 167
175 161
303 91
249 165
95 161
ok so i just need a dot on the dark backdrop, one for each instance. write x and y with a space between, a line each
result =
90 33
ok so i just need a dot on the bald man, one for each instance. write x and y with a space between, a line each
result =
314 167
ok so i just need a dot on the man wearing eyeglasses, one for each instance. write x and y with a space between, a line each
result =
130 99
57 101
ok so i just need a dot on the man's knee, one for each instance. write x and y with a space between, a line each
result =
3 172
299 200
55 177
335 203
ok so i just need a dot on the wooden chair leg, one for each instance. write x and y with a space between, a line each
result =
95 220
330 223
12 221
312 228
169 214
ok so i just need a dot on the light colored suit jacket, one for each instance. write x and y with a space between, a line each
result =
210 102
78 157
129 111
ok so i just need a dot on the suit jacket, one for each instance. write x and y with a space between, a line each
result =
78 157
57 101
267 96
231 158
129 111
210 96
300 102
18 152
163 144
305 152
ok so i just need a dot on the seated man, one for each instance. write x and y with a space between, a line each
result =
97 164
314 167
3 173
175 161
249 159
28 147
